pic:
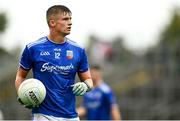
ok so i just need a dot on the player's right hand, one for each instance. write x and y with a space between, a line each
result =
26 106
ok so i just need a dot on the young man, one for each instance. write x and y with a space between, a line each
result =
55 60
99 103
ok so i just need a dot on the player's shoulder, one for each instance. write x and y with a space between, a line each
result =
105 88
73 43
37 42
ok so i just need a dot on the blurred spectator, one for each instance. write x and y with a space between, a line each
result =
100 103
101 52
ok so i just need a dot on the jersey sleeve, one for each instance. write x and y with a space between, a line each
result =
83 66
26 61
111 99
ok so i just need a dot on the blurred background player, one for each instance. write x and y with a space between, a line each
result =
55 60
100 102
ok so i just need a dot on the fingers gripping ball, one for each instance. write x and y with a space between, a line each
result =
32 92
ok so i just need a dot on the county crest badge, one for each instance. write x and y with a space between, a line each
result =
69 54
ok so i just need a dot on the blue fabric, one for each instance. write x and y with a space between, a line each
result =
56 66
98 103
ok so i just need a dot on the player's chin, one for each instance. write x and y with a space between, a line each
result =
68 32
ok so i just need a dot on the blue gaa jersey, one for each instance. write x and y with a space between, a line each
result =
98 103
56 66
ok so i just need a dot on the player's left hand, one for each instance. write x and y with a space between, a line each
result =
80 88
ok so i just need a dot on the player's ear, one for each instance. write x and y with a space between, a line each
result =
52 23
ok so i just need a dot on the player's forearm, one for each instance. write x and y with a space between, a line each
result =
89 83
20 76
115 113
18 82
86 77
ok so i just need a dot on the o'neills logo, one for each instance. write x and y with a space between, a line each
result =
33 97
56 68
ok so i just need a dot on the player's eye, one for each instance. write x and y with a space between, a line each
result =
67 18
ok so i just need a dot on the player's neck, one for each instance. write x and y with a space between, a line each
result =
56 38
98 83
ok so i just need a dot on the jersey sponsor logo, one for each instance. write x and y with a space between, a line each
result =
44 53
56 68
69 54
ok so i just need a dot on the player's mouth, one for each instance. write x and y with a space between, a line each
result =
69 28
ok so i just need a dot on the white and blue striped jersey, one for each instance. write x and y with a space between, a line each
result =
56 66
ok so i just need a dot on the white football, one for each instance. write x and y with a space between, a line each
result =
32 92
